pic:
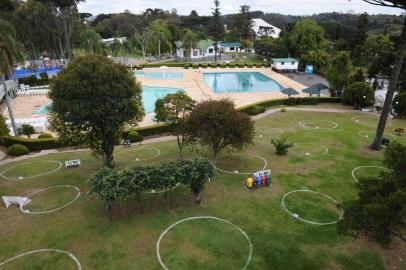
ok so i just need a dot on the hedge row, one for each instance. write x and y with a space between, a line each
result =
32 144
291 102
154 130
195 66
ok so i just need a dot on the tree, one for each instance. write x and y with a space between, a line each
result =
4 130
378 54
90 41
161 34
218 125
242 23
281 146
143 37
318 58
175 108
339 72
189 41
64 9
201 170
26 130
95 98
399 104
359 36
359 95
379 212
10 53
216 27
269 47
395 74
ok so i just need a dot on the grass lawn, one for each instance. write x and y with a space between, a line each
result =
279 240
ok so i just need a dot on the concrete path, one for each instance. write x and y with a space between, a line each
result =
170 138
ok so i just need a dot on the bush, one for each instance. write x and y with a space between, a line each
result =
26 129
194 66
45 136
291 102
139 67
33 144
281 146
186 66
134 136
204 66
34 81
255 110
399 131
155 130
283 109
223 65
354 95
231 65
17 150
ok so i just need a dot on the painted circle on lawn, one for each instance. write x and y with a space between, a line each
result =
272 132
309 221
71 256
237 171
25 211
58 163
371 134
353 173
156 151
158 243
363 120
309 149
320 125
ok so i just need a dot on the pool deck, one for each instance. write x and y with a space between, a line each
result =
192 82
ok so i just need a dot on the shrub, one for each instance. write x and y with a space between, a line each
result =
27 130
4 130
154 130
359 95
249 65
223 65
34 81
33 144
283 109
45 135
186 66
134 136
219 65
291 102
139 67
255 110
231 65
237 65
17 150
281 146
194 66
399 131
204 65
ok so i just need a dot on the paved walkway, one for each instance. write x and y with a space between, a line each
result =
170 138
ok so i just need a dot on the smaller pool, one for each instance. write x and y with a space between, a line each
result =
44 109
159 75
151 94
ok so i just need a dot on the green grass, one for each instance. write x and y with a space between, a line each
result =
279 241
50 199
30 168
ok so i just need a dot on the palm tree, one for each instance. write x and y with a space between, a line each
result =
189 40
394 77
9 53
161 34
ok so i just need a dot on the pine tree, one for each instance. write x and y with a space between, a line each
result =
216 27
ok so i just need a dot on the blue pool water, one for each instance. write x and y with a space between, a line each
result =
159 75
150 94
225 82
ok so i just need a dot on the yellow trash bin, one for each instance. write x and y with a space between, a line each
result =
249 182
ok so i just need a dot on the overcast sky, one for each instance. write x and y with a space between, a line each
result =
203 7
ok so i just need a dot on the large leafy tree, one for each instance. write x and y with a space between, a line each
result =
242 24
90 41
378 52
359 94
189 41
395 74
161 35
174 109
10 53
380 210
339 72
269 47
216 27
217 124
94 98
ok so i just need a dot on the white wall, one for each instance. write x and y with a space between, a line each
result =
286 65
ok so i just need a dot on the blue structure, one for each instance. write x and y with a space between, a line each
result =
309 69
35 72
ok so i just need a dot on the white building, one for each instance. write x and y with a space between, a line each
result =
110 41
230 47
285 64
264 29
205 48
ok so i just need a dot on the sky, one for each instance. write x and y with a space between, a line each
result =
203 7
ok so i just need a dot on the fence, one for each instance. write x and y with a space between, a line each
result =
220 58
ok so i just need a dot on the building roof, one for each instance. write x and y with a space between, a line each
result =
230 44
202 44
287 59
260 23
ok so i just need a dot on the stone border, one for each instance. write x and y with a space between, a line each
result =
303 125
309 154
52 210
280 132
242 173
153 148
202 217
41 174
367 137
308 221
388 122
78 265
360 167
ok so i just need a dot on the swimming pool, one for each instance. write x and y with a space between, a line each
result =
150 94
159 75
225 82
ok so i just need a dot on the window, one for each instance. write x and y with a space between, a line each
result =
231 48
282 63
292 63
195 53
211 50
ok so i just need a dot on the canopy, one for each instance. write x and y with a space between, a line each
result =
315 89
290 91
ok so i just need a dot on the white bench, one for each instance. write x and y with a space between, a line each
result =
20 201
72 163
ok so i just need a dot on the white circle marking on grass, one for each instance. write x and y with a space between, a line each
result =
360 167
158 153
55 209
356 120
305 125
364 134
278 132
29 177
158 254
78 265
238 172
325 152
308 221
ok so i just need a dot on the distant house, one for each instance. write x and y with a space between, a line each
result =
264 29
110 41
285 64
205 49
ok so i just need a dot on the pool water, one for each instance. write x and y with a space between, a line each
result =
150 95
159 75
225 82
